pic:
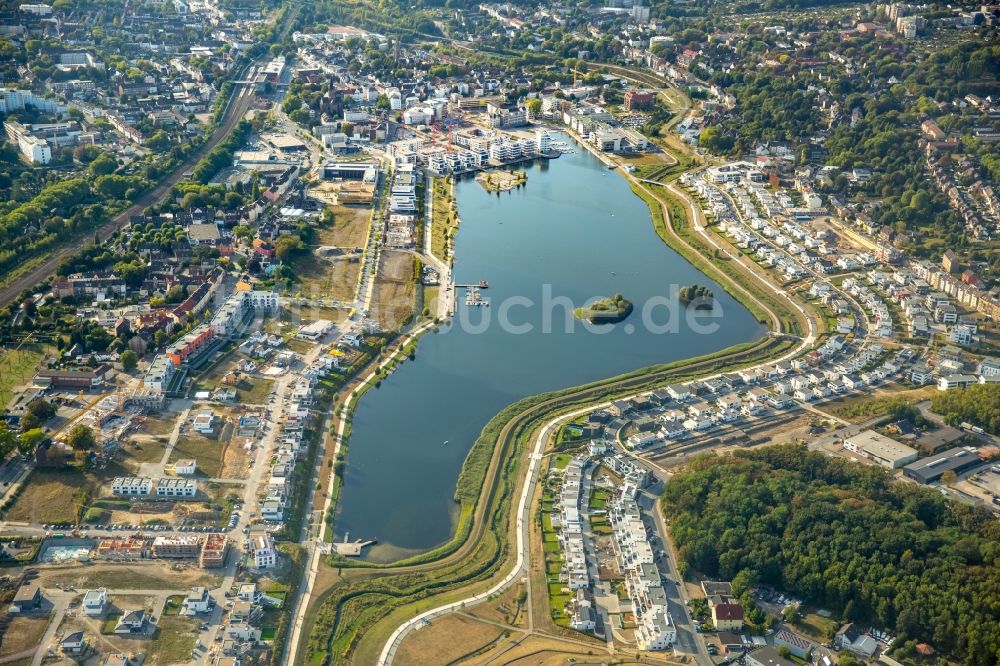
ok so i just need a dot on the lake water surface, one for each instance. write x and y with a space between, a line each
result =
575 231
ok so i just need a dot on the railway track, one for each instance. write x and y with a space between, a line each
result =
241 98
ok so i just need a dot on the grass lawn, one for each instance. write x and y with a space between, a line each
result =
146 449
445 219
298 346
175 638
862 407
393 296
206 451
335 279
255 391
174 604
153 425
547 522
23 633
431 295
598 499
816 627
557 603
267 633
651 165
50 496
322 278
211 378
561 460
450 639
110 622
350 227
17 368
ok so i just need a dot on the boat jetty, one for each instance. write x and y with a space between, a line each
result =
351 548
473 295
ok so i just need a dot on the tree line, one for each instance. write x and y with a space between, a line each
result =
979 405
847 538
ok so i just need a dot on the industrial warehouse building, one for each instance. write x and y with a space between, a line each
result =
929 470
883 450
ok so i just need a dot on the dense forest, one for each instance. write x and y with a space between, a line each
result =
978 405
847 538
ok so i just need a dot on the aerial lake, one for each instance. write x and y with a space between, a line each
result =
575 231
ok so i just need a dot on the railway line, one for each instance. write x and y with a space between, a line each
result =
240 100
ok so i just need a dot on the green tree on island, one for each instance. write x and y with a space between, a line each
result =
694 292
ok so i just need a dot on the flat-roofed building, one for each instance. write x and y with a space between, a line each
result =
27 598
131 485
173 487
886 452
177 547
929 470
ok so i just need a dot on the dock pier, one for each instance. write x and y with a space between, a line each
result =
352 548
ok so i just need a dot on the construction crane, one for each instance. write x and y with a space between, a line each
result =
86 409
435 138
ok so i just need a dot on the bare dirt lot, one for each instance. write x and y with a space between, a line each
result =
335 274
151 575
393 300
50 496
445 640
23 633
545 651
861 407
506 608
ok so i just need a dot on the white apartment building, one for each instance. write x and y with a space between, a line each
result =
262 551
131 485
173 487
35 150
94 601
655 629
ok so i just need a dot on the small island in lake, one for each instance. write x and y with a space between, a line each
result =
696 293
609 310
501 181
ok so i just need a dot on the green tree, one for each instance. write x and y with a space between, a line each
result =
8 440
81 438
42 409
30 440
29 422
159 140
287 247
103 164
129 360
